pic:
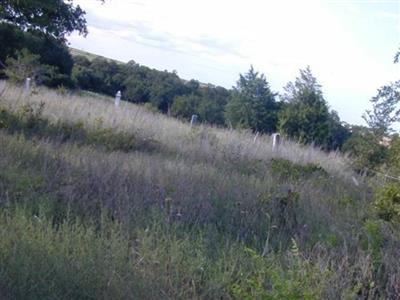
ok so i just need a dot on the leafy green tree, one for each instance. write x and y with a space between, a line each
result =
10 40
339 132
165 86
99 75
56 18
207 102
26 65
210 111
253 104
385 111
393 159
104 74
136 82
305 114
192 86
81 73
163 90
212 107
365 144
50 50
82 76
185 106
365 150
41 26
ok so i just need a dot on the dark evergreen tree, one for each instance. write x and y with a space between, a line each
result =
305 115
253 104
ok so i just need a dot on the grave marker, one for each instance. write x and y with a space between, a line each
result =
194 120
117 98
27 85
276 141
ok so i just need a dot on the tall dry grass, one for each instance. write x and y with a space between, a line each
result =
201 213
204 143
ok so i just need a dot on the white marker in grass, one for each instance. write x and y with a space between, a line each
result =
117 98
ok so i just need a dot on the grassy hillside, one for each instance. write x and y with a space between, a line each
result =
88 55
99 202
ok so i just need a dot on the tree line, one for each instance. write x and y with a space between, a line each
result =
301 112
33 38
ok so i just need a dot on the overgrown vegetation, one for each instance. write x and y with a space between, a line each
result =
30 53
201 216
28 120
36 48
302 114
105 202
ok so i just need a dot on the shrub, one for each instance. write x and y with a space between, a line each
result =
365 150
29 121
393 157
26 65
185 106
387 202
374 237
73 261
269 280
287 170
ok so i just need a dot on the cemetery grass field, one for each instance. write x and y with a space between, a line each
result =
105 202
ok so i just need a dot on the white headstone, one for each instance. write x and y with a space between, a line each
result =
255 137
193 121
355 181
276 141
117 98
27 85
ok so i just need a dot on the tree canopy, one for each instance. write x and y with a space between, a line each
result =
385 111
50 52
56 18
162 89
40 27
306 116
253 104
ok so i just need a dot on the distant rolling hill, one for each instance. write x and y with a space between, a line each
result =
90 56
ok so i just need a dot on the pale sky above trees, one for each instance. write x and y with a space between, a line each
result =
349 45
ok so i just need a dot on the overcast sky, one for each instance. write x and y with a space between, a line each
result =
349 45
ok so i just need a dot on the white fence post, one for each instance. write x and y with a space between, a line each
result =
193 121
256 136
276 141
117 98
27 85
355 181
